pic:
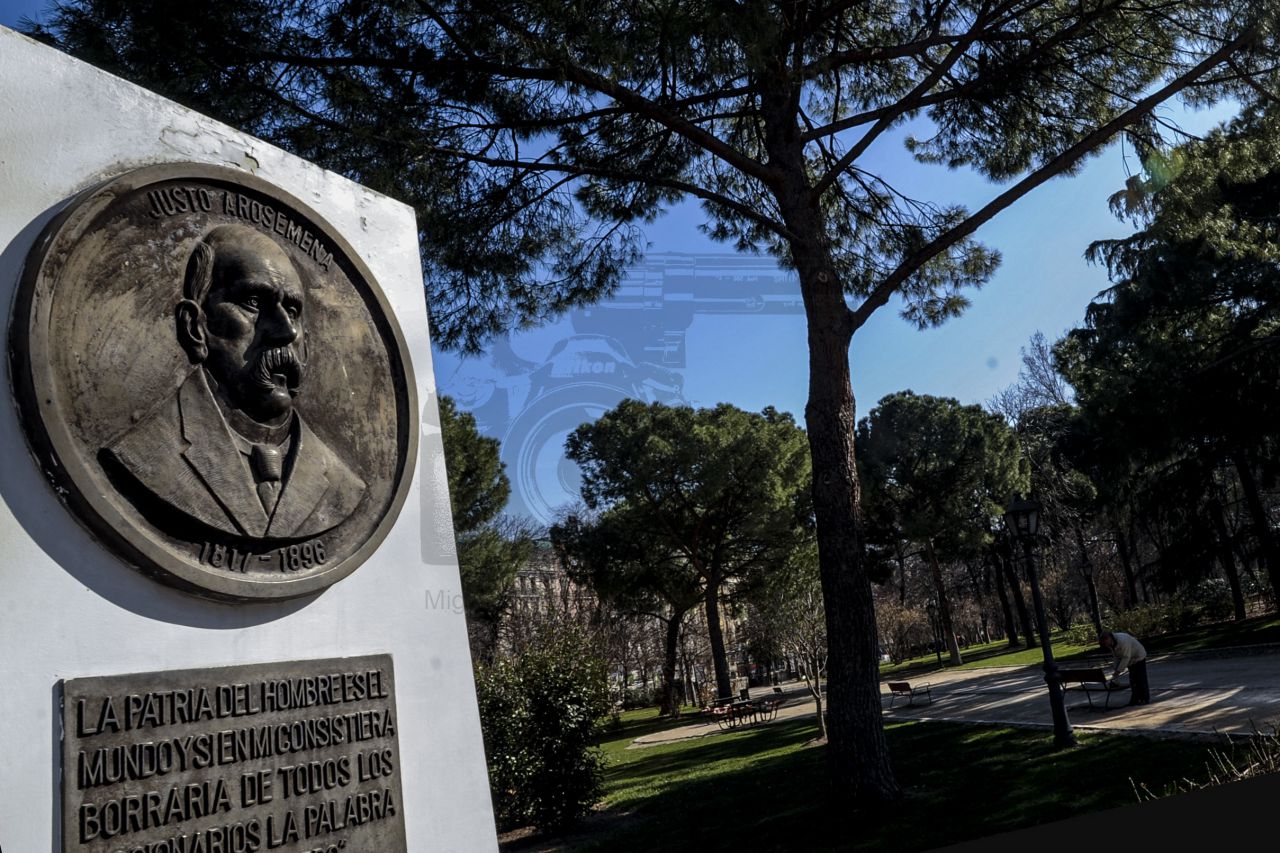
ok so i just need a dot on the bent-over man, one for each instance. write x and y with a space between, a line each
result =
1131 656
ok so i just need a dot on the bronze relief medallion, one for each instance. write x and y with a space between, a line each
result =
213 383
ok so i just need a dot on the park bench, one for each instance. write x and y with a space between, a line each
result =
717 710
735 713
1090 680
723 715
900 689
767 709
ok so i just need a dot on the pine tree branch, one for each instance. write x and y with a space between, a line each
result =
905 105
627 177
892 111
1056 166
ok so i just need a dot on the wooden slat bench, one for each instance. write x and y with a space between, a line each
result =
735 713
1091 681
899 689
767 709
723 715
715 710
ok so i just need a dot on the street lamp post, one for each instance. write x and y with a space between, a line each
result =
1022 518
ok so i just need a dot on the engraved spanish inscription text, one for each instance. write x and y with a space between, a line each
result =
298 756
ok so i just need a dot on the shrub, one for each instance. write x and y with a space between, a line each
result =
538 713
1180 615
1082 634
1207 601
1145 620
1212 598
641 697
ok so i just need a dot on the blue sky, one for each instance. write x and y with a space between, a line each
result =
753 359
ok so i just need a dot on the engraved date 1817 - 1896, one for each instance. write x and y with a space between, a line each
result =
287 558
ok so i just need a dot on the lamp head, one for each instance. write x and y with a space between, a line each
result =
1022 517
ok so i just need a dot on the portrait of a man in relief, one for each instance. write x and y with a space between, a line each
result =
229 448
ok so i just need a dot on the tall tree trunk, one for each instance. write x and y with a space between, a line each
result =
858 750
1261 522
626 670
1010 626
1095 610
686 673
982 599
1227 556
1126 564
944 605
670 697
719 660
815 689
858 753
1020 602
1086 570
902 574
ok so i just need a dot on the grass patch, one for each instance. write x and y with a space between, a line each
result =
626 726
1220 635
1246 632
996 654
1063 650
762 788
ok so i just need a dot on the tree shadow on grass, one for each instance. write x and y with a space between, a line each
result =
970 655
763 790
685 758
634 728
1252 631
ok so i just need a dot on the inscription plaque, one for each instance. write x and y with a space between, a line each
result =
298 756
213 382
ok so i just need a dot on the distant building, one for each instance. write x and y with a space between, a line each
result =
543 587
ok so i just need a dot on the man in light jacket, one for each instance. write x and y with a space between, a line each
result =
1131 656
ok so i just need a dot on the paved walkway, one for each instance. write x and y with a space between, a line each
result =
1232 691
798 704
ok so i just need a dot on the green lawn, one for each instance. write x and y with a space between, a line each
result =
762 788
1260 629
997 654
1247 632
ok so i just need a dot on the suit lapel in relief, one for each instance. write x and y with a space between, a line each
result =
212 480
305 486
214 455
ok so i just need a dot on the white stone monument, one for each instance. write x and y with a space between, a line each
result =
79 606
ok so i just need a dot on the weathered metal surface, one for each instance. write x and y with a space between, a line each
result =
213 382
292 756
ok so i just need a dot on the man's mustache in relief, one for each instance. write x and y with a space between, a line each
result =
281 361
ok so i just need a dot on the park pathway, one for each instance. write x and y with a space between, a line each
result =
1230 691
1206 693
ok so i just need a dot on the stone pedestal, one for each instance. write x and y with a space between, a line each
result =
72 608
